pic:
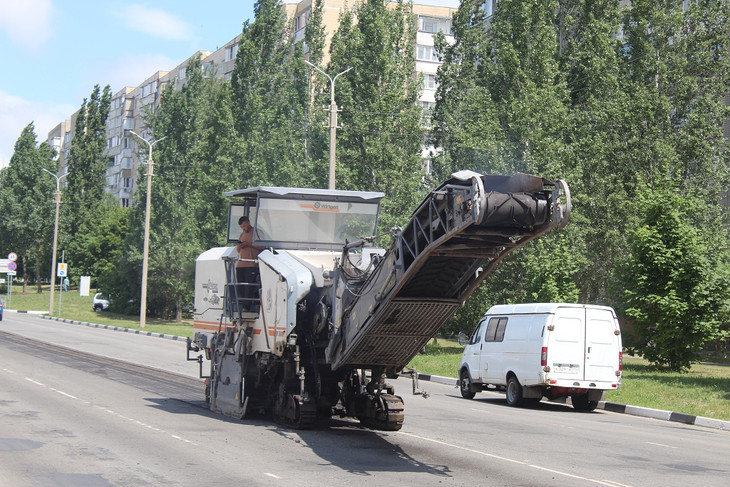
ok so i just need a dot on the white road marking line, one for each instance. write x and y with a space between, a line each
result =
490 455
272 475
116 414
566 474
63 393
612 482
145 425
659 444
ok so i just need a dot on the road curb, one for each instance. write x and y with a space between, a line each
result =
615 407
114 328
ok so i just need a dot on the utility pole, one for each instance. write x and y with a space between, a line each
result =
55 237
333 121
146 246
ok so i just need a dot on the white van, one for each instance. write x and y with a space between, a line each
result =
550 349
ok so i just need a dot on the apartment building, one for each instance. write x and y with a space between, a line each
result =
125 154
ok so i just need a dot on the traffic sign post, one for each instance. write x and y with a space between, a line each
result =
61 273
9 267
10 286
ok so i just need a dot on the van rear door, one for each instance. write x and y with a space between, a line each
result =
603 345
566 343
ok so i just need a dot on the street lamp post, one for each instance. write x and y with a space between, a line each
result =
55 237
146 246
333 121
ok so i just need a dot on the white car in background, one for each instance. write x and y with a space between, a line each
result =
100 302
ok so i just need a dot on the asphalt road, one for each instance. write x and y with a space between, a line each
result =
76 421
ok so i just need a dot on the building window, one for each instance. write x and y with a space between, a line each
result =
426 53
118 102
181 73
301 21
150 88
231 52
429 81
428 106
489 6
434 24
125 202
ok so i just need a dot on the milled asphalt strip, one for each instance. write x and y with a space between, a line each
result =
605 405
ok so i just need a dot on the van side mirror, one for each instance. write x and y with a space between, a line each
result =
463 338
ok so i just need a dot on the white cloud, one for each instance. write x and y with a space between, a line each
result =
27 22
154 22
16 113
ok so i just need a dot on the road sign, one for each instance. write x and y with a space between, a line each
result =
10 273
62 268
12 266
12 256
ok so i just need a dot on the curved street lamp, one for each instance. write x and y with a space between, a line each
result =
333 121
146 246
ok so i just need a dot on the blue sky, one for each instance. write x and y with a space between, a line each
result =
53 52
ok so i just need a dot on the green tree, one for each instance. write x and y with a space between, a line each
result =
603 182
99 242
465 121
673 288
379 145
27 202
272 102
86 178
677 72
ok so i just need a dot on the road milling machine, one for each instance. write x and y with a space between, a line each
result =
332 314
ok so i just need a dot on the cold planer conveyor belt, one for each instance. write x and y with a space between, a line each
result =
452 242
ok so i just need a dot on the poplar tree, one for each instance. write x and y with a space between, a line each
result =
379 145
27 196
84 194
271 101
87 165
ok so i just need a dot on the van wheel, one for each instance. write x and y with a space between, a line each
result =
514 392
582 403
465 385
